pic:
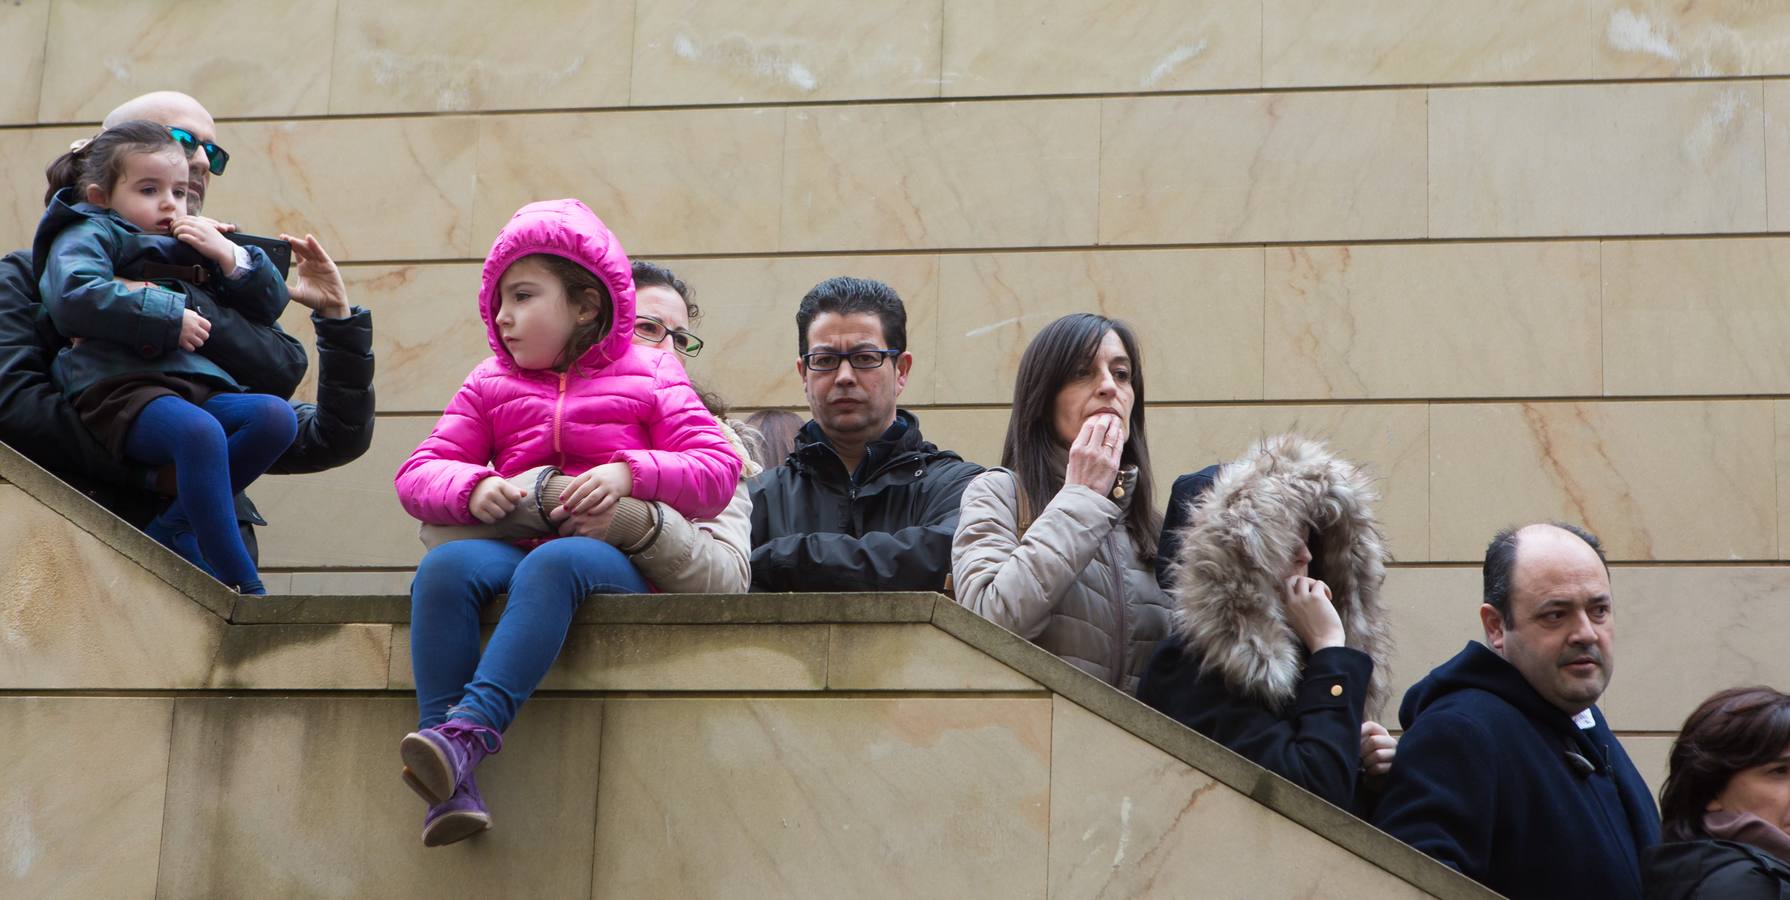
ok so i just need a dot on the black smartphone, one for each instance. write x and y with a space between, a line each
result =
277 250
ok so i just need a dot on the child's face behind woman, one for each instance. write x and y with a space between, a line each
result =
535 318
150 191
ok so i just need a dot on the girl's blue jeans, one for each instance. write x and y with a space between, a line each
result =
545 585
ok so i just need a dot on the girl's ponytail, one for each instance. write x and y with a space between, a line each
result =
65 171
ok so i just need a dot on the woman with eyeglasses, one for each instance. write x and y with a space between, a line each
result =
1725 809
1056 544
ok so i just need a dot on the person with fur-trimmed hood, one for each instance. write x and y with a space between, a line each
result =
1280 638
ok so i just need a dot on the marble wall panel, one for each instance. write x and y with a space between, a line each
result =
264 62
1332 42
28 151
303 657
439 57
710 51
1004 47
1651 754
1655 480
23 30
1440 320
75 794
1128 820
370 189
824 797
913 658
1696 317
1781 417
1777 151
301 797
1197 315
1015 173
1666 39
717 193
348 516
1596 159
1262 167
1434 612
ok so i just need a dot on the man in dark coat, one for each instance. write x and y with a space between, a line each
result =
863 502
1507 770
38 421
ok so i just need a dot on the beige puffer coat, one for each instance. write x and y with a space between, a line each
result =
1072 584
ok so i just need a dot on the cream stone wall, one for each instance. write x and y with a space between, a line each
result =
1521 257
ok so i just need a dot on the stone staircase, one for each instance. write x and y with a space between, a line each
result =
167 738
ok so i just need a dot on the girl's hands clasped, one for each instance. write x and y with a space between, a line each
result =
1094 457
493 498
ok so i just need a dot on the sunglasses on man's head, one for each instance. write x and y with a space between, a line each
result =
191 143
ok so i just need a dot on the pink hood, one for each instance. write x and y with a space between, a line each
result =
569 229
619 403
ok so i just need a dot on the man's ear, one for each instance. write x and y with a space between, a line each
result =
96 195
1494 627
903 364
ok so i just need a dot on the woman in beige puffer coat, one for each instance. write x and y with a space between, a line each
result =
1057 545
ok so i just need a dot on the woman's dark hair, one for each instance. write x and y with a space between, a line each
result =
101 160
1057 354
578 282
1734 730
648 274
777 428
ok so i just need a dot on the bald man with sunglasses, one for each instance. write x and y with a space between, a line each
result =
38 421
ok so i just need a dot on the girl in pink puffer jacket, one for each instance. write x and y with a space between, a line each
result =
565 387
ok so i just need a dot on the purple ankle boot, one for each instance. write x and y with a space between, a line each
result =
438 761
461 817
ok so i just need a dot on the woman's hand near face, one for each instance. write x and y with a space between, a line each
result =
1311 613
1094 457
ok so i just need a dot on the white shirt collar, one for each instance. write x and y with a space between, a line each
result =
1585 720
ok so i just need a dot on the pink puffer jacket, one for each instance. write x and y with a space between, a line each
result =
618 403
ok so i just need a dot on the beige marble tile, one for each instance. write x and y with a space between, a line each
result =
348 516
303 657
237 60
1696 317
1006 47
711 51
816 797
1781 418
975 434
1018 173
1252 167
350 583
24 27
913 658
1667 38
748 323
1128 820
1777 151
1651 754
1647 478
1596 159
28 151
1324 43
718 192
368 188
1390 441
438 57
427 334
692 658
1434 612
75 613
75 794
1432 320
1684 633
1203 306
301 797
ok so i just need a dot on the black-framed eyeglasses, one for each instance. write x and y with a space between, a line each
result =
191 143
827 360
655 331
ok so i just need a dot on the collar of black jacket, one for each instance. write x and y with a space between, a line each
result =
814 452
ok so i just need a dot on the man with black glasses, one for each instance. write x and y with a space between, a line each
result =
864 502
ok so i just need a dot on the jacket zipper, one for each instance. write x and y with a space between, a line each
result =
559 407
1124 635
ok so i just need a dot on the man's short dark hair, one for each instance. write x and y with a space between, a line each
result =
849 296
1501 561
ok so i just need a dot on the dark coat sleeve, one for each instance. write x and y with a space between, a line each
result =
913 558
1315 743
1741 882
1442 793
338 428
35 418
1188 488
246 339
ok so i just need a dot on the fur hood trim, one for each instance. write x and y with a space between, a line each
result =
1248 527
